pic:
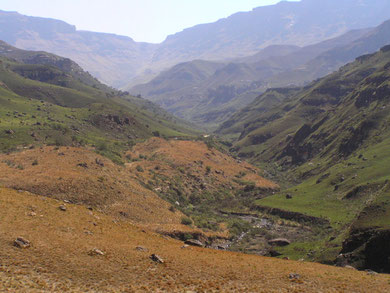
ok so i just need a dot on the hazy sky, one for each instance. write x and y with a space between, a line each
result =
143 20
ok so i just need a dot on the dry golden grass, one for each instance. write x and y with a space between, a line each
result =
55 172
179 158
58 259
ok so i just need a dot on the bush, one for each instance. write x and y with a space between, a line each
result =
186 221
208 170
139 168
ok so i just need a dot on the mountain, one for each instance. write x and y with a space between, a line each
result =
109 57
119 61
287 23
218 89
47 99
327 61
328 142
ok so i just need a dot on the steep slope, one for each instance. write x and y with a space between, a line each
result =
62 260
330 141
43 58
46 104
117 60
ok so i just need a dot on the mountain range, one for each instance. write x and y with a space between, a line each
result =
121 62
208 93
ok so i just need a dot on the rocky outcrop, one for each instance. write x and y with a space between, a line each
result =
293 216
279 242
367 249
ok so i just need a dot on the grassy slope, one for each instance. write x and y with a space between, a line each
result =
59 262
346 146
70 111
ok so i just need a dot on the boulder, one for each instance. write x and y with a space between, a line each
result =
140 248
156 258
96 252
21 242
62 208
279 242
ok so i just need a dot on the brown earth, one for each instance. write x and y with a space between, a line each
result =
59 261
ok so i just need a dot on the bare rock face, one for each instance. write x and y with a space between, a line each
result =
21 242
279 242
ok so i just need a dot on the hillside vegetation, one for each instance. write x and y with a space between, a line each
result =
53 103
328 143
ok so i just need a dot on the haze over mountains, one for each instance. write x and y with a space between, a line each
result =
116 60
207 93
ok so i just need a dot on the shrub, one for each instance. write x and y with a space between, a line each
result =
139 168
186 221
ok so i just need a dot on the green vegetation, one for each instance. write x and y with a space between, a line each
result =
328 145
56 103
186 221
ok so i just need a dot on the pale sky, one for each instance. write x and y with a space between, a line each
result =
143 20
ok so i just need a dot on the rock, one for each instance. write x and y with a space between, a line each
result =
62 208
21 242
286 258
156 258
99 162
371 272
9 131
185 246
279 242
289 196
140 248
274 253
96 252
84 165
194 242
350 267
294 276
